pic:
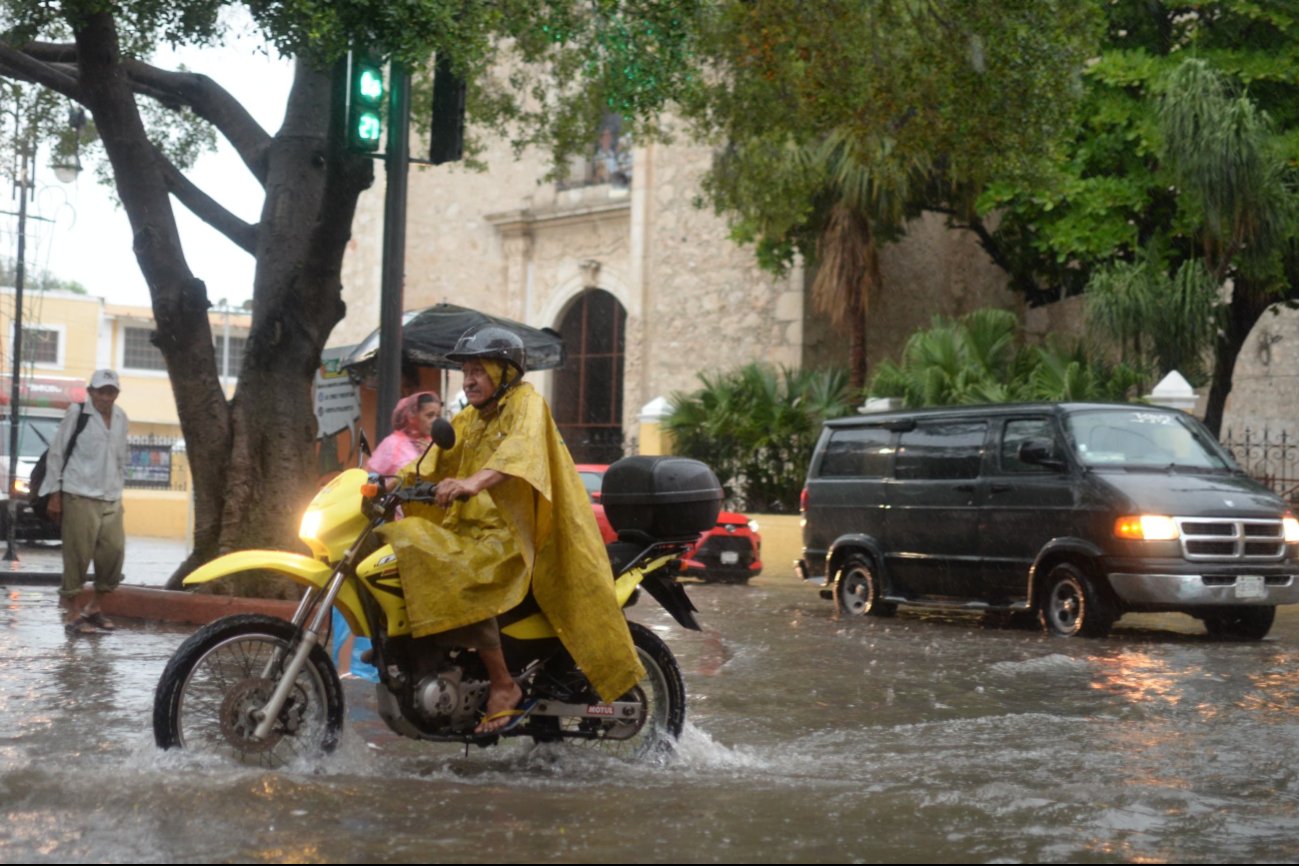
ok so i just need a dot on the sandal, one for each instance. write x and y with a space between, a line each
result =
98 619
81 625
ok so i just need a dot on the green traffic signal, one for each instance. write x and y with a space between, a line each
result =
370 84
365 103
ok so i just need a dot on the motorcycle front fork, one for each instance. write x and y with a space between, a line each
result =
266 715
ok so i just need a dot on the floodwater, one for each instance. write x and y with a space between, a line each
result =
915 739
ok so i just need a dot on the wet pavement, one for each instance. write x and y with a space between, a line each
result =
913 739
149 562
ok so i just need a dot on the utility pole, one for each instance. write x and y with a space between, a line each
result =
15 420
397 164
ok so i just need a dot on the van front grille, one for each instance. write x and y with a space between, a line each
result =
1221 538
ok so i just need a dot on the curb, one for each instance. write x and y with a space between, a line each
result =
184 608
32 578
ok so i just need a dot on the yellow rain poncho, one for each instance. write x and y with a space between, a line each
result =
477 558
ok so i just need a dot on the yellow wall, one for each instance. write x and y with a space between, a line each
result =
782 543
91 337
78 318
157 513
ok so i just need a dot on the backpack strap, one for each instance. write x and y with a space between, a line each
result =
82 419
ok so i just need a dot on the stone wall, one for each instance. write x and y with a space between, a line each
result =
1265 384
503 242
506 243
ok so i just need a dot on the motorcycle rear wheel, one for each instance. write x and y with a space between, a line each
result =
229 668
661 691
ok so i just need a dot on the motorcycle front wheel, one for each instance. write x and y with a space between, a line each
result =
661 691
228 669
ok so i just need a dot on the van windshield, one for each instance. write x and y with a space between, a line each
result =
34 436
1143 437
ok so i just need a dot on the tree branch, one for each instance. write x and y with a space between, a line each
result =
206 208
17 63
52 52
210 101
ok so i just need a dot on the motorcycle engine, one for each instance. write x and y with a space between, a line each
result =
438 695
445 698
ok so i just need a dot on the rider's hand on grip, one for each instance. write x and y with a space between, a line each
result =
424 491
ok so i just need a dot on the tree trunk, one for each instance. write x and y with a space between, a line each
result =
252 458
1248 303
847 271
179 299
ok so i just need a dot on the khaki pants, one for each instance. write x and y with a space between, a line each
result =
93 531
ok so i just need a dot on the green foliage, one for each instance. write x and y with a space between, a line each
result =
1163 149
756 427
1150 315
921 101
541 72
977 359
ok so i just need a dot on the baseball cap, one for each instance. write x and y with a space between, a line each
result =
105 379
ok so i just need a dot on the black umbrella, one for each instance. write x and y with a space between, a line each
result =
429 334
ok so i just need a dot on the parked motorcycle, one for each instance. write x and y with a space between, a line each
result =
265 691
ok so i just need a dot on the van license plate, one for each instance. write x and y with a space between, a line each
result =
1250 586
730 557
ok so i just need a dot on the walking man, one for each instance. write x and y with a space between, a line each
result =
85 484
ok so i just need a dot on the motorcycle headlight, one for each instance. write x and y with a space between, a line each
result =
310 525
21 487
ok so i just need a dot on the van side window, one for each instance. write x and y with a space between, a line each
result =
939 451
1016 433
857 452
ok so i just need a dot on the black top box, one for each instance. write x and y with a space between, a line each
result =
666 497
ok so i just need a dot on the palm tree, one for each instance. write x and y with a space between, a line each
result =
1219 147
976 359
870 192
1172 321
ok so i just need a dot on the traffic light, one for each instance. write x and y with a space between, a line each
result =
366 90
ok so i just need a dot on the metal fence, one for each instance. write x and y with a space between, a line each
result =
1270 456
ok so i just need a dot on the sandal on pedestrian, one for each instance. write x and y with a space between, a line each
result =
98 619
80 625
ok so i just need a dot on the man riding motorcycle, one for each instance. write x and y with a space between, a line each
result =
470 557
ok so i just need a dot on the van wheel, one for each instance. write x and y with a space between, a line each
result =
1072 606
1243 623
857 591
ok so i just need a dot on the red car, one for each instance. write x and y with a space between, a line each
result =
730 552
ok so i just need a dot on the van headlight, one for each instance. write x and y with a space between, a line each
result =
310 525
1291 527
1146 527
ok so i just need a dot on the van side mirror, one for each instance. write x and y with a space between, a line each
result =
1040 452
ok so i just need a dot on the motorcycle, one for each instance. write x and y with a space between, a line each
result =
265 691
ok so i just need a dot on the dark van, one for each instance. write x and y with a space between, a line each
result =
1077 512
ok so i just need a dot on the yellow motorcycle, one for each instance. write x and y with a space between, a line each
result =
265 691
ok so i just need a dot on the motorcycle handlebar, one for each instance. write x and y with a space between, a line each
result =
424 491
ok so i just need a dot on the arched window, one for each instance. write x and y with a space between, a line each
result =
588 388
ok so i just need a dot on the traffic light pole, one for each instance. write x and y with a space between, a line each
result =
397 162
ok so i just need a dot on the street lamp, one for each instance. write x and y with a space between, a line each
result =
24 182
68 166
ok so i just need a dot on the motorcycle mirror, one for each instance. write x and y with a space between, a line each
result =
444 435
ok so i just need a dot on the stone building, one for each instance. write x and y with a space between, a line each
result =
645 286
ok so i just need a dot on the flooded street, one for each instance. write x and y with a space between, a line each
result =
914 739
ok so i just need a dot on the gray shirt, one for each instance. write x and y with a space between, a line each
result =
97 467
